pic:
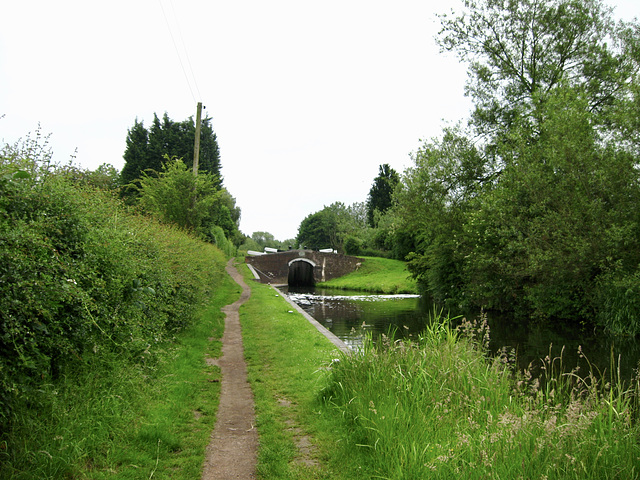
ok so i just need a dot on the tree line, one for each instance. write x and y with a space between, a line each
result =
531 206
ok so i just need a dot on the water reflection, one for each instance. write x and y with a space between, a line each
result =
534 342
352 315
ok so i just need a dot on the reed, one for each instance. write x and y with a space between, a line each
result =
440 407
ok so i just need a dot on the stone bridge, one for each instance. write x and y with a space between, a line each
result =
301 267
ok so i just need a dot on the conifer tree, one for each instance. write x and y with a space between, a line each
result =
147 148
380 195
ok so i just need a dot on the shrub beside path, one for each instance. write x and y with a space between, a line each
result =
232 451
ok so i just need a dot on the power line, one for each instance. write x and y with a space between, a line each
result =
184 47
164 13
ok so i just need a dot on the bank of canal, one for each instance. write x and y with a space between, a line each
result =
351 315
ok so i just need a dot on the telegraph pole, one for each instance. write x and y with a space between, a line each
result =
196 143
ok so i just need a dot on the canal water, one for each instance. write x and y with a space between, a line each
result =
353 315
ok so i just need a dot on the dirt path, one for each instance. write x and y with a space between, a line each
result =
231 454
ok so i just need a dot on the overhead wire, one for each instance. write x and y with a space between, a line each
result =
186 76
184 47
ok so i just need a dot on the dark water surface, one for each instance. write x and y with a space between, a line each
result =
352 315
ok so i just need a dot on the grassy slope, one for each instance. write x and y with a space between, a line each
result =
381 275
179 405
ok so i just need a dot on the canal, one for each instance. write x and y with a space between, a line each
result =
353 315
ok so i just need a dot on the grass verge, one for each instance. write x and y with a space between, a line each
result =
115 419
381 275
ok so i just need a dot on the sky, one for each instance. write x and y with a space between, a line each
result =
307 99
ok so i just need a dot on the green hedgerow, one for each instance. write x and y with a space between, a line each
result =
80 275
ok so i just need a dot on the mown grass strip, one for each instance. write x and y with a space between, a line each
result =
380 275
286 359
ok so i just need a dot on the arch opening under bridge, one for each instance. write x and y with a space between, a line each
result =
301 273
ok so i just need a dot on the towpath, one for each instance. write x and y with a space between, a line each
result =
232 452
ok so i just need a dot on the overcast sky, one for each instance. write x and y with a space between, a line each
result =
307 98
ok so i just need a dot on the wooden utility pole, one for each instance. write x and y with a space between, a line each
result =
196 143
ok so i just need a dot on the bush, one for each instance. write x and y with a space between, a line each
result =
222 242
81 276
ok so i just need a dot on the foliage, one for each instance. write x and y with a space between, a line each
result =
352 245
618 299
314 230
259 240
80 276
348 228
264 239
196 203
381 192
146 148
157 176
520 52
105 177
532 208
219 239
432 201
329 227
557 220
116 418
319 230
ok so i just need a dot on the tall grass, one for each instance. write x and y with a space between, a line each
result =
441 408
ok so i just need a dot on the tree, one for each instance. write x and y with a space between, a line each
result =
543 239
519 52
264 239
317 230
146 149
259 240
534 208
380 194
329 227
196 203
136 154
433 200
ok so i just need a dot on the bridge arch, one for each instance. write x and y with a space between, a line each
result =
301 272
313 264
